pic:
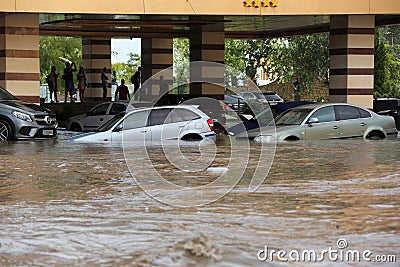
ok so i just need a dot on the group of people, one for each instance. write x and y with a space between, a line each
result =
68 78
122 92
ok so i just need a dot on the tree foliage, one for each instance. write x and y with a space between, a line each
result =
387 70
305 58
126 70
54 47
181 60
390 35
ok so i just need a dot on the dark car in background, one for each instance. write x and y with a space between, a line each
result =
21 120
272 98
264 117
235 102
389 107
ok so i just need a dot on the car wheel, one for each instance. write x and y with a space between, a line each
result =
375 135
76 127
192 137
5 131
291 138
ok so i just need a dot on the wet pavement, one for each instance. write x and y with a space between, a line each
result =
68 204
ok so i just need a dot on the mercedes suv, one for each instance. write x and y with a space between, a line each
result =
20 120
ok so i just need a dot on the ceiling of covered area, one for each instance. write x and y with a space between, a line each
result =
136 26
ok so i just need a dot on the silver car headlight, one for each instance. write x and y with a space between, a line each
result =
264 139
22 116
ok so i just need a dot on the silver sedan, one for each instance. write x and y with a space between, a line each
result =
327 121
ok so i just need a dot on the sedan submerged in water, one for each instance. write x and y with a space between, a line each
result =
326 121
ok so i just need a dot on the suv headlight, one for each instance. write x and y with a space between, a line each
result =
22 116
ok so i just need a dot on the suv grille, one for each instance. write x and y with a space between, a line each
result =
46 119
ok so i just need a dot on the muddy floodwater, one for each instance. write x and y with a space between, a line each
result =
68 204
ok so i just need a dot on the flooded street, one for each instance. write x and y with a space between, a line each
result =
69 204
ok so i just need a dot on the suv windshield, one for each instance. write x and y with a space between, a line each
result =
5 95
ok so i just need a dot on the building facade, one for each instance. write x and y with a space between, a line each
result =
206 23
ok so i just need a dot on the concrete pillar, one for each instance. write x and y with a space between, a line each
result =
19 56
96 54
352 59
157 55
207 43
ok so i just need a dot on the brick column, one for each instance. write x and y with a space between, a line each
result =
157 55
96 54
207 43
19 56
352 59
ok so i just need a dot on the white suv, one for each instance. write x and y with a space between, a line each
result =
183 122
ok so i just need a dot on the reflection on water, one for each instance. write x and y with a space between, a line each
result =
71 204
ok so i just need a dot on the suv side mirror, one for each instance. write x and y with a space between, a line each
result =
312 120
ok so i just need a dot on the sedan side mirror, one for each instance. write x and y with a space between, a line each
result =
312 120
118 128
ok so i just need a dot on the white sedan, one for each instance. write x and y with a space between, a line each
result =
99 114
183 122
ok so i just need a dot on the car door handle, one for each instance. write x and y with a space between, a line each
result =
143 131
181 126
335 127
101 119
363 124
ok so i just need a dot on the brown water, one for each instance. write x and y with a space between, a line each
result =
67 204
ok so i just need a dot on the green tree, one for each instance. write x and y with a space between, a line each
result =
126 70
52 48
387 70
303 57
181 59
390 35
235 58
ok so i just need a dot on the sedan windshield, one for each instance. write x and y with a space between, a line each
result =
5 95
293 117
109 124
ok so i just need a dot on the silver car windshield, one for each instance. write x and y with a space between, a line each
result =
293 117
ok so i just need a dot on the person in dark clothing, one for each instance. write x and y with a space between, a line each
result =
53 84
69 80
122 92
104 83
136 80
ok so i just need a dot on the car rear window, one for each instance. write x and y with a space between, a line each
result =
180 114
364 113
347 112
